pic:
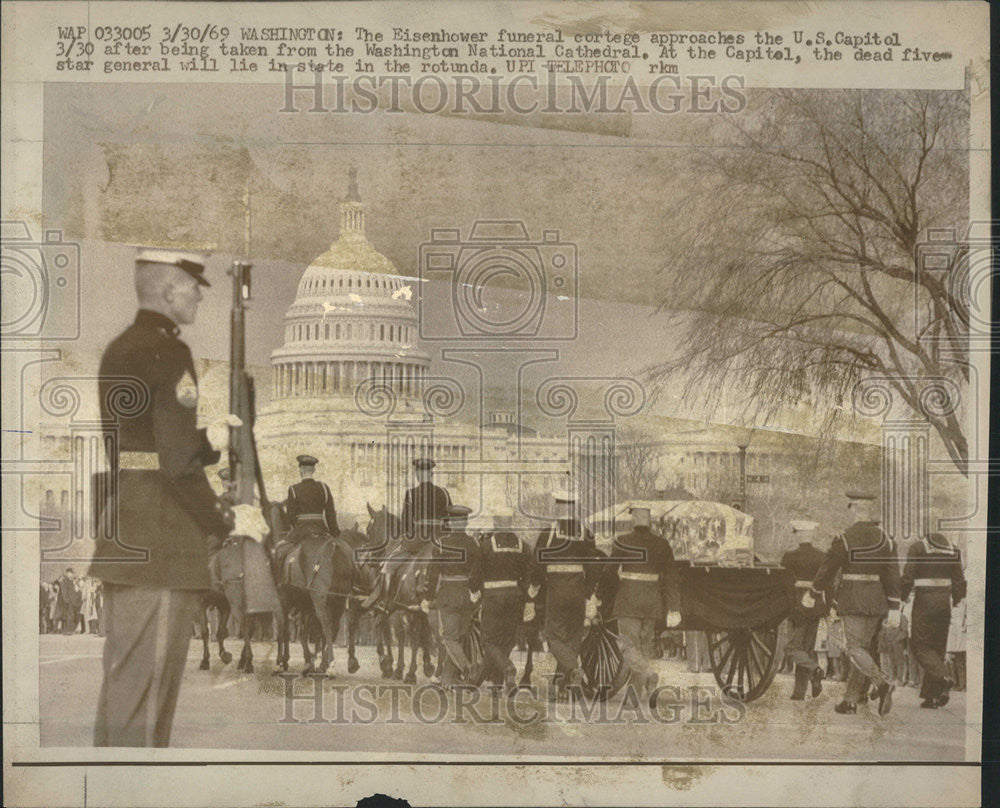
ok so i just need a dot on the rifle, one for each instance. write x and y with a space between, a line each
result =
244 463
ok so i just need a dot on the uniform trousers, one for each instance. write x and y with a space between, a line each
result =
145 651
501 617
929 641
637 645
564 615
860 631
455 618
801 650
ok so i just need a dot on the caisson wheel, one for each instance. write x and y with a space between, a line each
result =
744 661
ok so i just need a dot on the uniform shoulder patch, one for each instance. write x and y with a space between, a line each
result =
187 391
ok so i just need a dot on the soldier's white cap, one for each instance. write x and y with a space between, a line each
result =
503 519
192 261
639 512
803 526
564 493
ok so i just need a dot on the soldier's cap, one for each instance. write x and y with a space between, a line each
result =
503 519
564 493
803 525
191 261
458 512
639 511
856 495
307 460
423 464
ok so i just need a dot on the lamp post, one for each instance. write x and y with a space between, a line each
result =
743 475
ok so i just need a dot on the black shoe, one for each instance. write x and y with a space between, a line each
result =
929 704
846 708
817 682
943 699
798 697
885 697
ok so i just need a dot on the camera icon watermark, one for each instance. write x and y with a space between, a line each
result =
40 284
503 284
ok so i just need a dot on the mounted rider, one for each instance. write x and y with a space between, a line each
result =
425 506
309 509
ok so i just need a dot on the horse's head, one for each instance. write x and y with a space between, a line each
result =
383 525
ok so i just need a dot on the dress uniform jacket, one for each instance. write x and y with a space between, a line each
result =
166 506
311 501
649 579
803 562
568 567
506 562
423 503
455 570
866 558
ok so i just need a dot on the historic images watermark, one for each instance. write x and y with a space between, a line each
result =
321 701
591 87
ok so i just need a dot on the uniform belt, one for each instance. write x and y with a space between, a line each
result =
138 461
309 517
638 576
860 576
498 584
461 578
928 582
804 584
564 568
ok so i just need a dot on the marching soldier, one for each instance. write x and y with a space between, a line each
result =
506 563
166 509
803 562
933 573
648 592
868 594
570 566
454 581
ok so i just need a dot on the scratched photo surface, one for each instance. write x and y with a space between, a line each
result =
718 317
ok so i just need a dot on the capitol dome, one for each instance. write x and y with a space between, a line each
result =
353 319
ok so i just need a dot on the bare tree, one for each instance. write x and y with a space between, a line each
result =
804 273
638 463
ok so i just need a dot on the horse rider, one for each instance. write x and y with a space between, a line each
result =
506 567
868 594
309 508
454 582
425 507
648 593
803 562
570 567
933 573
167 512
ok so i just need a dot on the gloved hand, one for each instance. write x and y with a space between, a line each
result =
425 606
475 596
808 601
533 591
591 610
529 612
892 620
218 431
673 619
249 521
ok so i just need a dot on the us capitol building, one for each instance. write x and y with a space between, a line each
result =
351 386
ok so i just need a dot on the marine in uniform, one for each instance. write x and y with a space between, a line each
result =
454 583
506 566
648 593
868 593
570 567
309 508
166 509
933 574
803 562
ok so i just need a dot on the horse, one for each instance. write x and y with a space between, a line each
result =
214 599
315 579
402 582
367 570
228 581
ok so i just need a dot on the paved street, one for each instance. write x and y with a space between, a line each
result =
223 708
